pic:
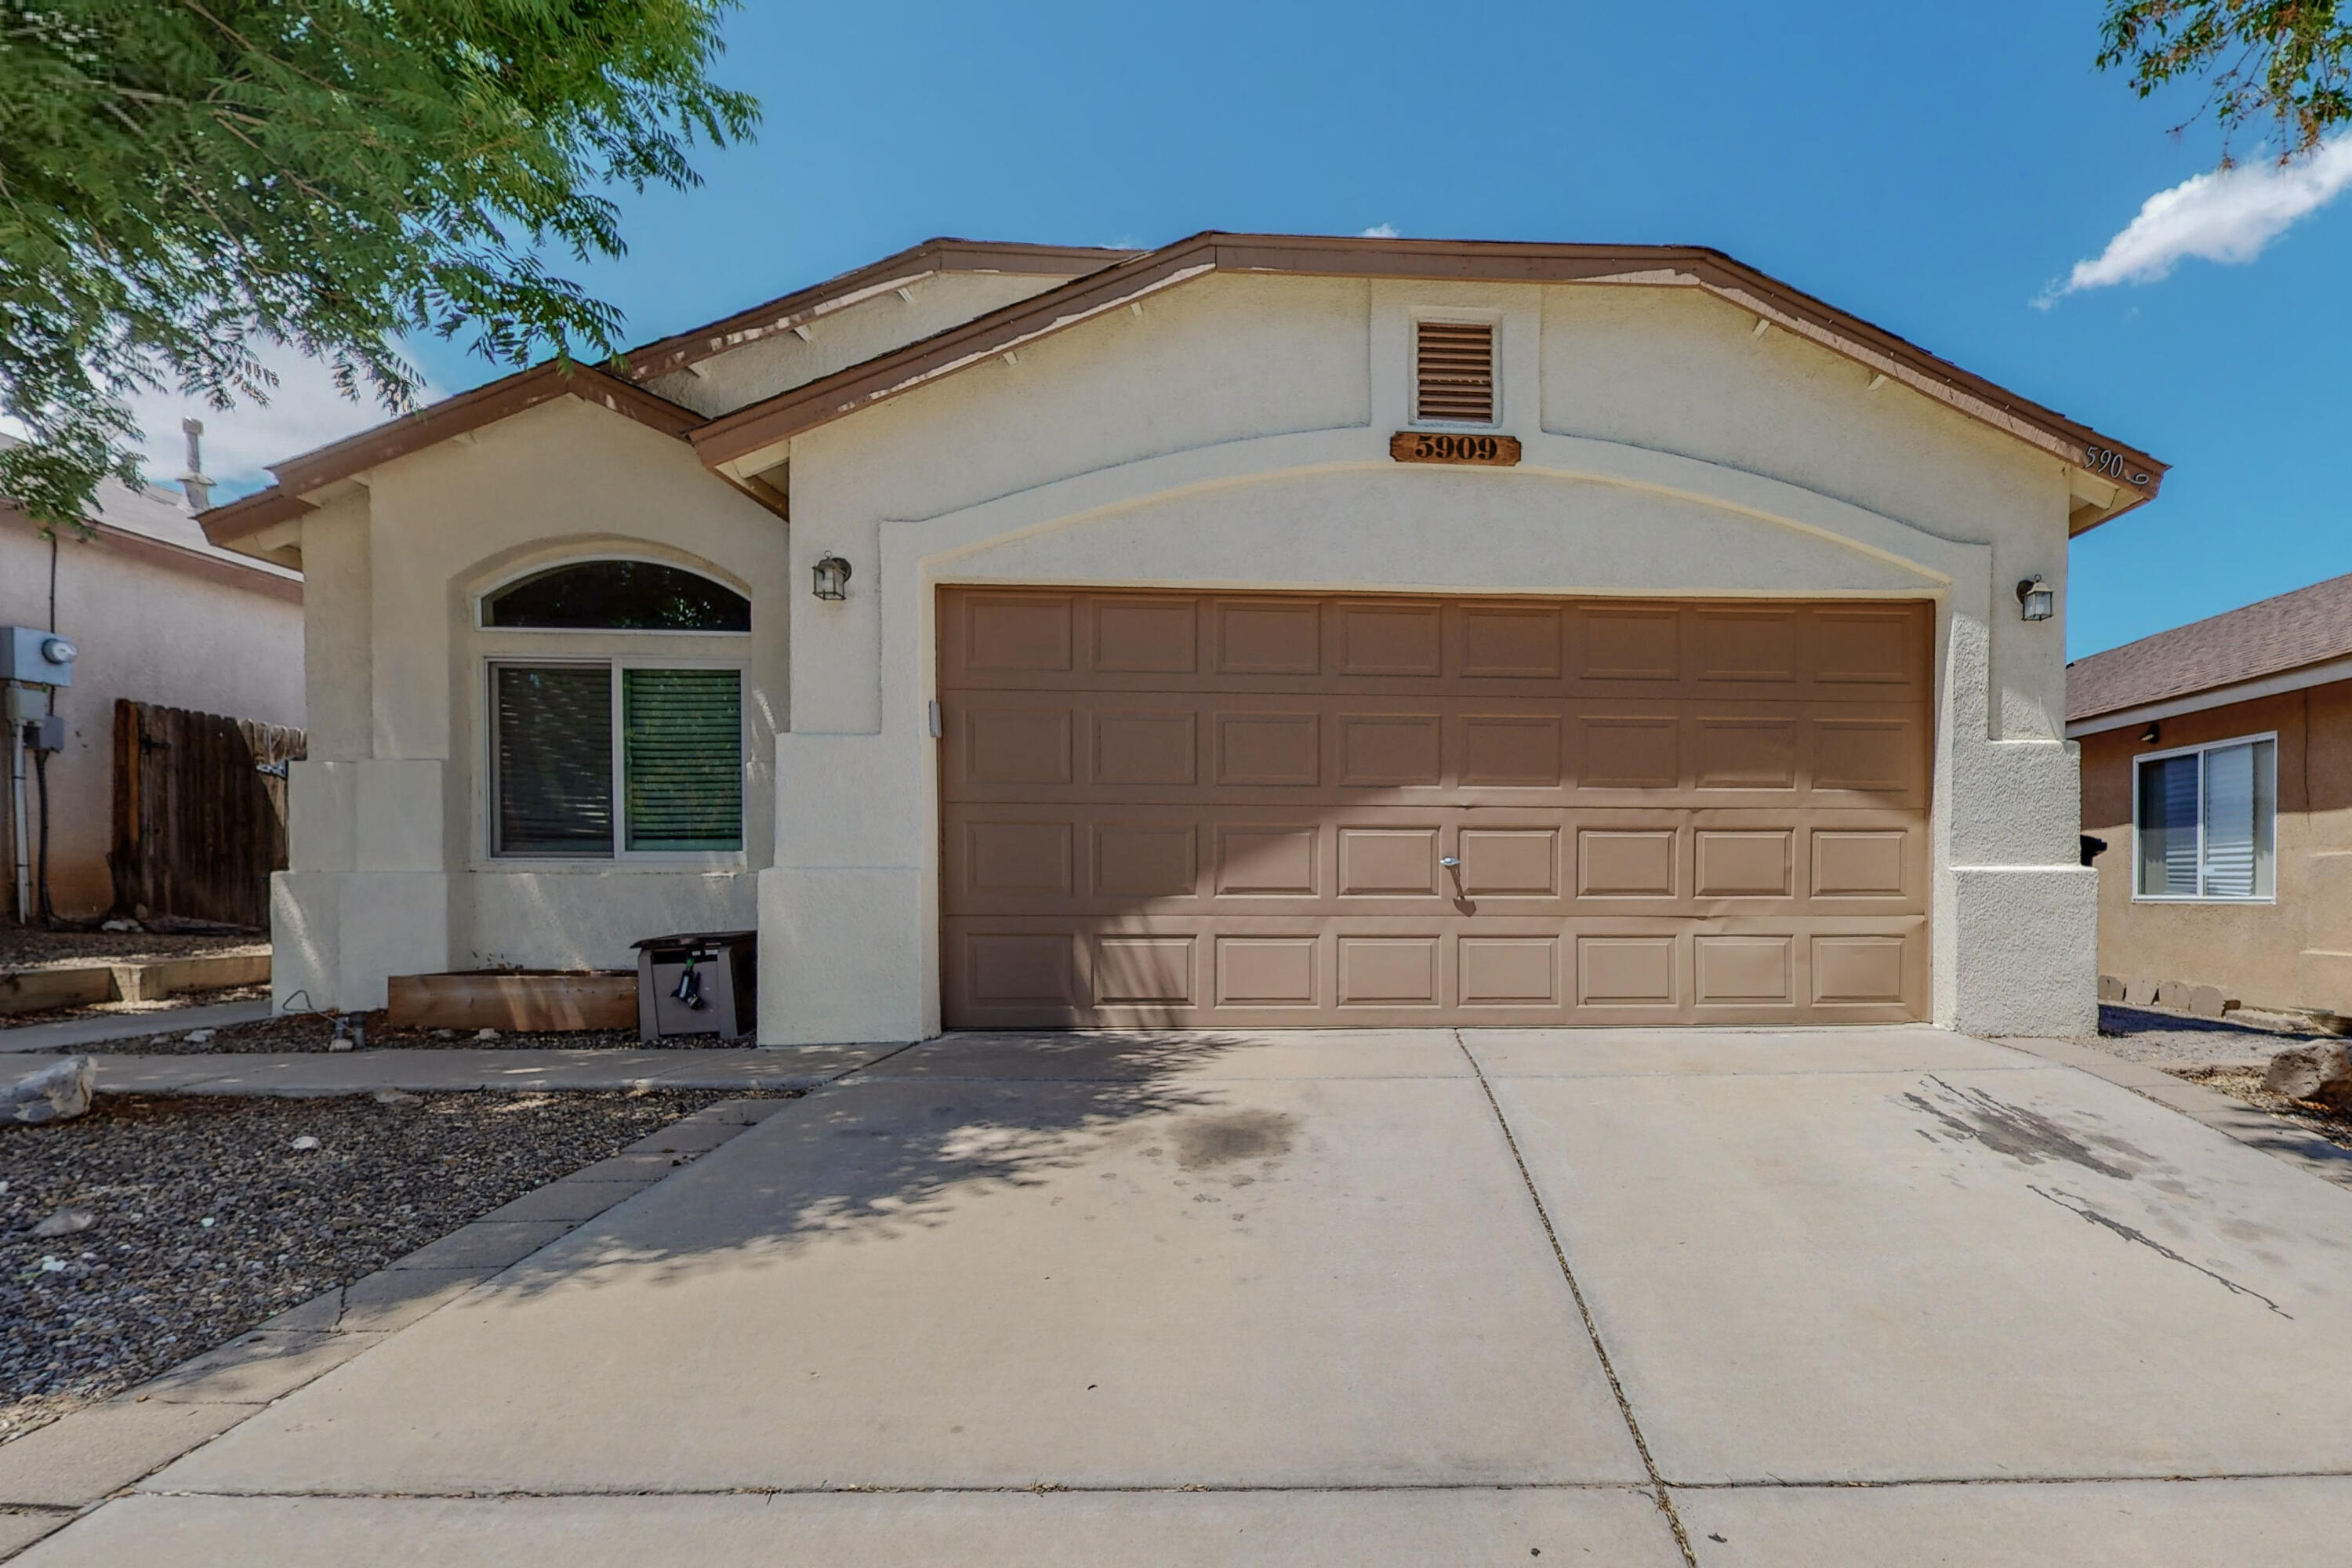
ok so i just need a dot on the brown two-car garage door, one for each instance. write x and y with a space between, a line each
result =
1205 809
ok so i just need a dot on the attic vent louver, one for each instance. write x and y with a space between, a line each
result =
1453 373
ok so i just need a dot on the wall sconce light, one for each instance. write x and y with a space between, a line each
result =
2038 602
832 578
2150 735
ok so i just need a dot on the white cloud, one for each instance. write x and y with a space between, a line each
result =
304 411
1379 231
2227 216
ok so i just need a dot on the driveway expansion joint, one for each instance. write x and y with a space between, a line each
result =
1659 1494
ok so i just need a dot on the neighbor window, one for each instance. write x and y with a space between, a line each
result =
598 759
2206 819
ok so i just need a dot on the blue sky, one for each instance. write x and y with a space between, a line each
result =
1931 169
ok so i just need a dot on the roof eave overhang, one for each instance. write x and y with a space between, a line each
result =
755 438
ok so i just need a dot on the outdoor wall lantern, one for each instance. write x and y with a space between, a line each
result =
832 578
2037 601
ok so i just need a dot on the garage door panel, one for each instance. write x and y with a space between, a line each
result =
1234 809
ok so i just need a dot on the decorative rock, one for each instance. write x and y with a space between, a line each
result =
58 1093
117 925
486 1034
2111 988
394 1097
2317 1070
2174 996
66 1222
2139 991
198 1037
306 1141
2209 1002
343 1043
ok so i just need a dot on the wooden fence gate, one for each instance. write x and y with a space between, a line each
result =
198 824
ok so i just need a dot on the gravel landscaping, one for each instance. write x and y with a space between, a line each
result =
2171 1041
178 1223
310 1032
2246 1084
23 947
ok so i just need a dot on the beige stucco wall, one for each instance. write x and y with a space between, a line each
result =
154 625
1234 433
390 871
2295 950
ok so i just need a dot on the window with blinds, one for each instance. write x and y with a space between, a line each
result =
1453 373
682 759
2208 821
588 760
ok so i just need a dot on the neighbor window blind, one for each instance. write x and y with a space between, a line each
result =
554 759
2207 823
682 759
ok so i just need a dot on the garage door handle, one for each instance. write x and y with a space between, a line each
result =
1451 863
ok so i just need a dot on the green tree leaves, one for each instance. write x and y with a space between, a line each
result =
183 180
2287 62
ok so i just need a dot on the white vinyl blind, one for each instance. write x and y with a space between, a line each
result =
2230 823
2208 822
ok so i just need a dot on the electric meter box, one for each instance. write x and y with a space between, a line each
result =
35 657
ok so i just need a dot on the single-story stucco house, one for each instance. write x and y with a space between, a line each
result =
2217 767
1261 630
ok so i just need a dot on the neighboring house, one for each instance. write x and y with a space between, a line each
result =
1260 630
2217 765
158 614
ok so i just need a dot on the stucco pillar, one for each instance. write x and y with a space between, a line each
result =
368 895
845 916
2015 915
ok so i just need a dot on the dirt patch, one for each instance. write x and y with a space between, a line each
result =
2246 1084
205 1218
2170 1042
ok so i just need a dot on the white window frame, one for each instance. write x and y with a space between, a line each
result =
2139 894
482 600
1493 321
621 855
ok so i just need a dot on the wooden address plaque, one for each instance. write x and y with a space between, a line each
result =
1434 447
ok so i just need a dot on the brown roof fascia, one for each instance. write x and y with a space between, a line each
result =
801 408
500 399
802 306
248 515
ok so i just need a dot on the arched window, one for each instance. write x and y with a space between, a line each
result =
617 596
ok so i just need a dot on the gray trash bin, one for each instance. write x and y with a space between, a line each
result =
697 983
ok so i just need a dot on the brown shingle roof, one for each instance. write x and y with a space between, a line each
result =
2286 633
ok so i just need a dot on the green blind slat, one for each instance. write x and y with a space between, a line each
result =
682 758
554 759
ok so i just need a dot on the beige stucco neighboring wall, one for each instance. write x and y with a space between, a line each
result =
153 623
1234 432
2294 951
391 869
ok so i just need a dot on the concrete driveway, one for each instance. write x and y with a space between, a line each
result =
1887 1297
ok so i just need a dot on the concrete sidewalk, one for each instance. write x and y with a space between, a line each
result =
423 1071
73 1033
1882 1296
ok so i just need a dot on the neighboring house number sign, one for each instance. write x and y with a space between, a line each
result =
2108 462
1429 446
